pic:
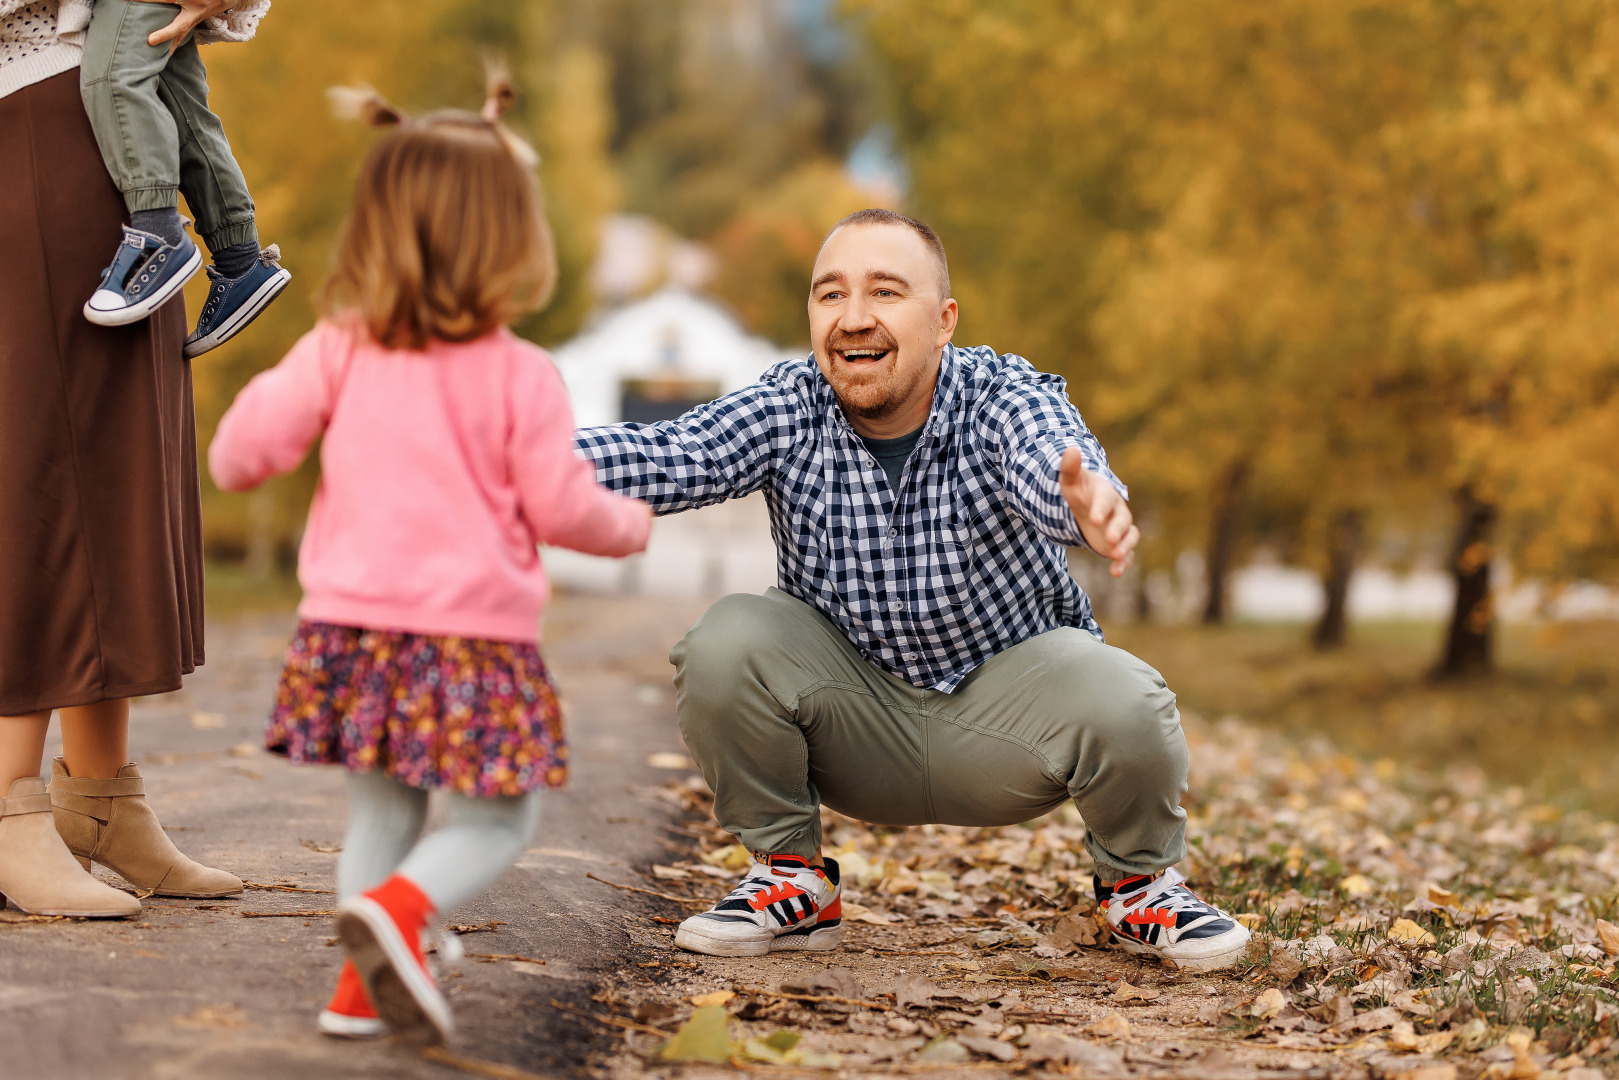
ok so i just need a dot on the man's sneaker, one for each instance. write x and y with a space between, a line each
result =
234 302
145 272
381 931
349 1015
783 903
1159 916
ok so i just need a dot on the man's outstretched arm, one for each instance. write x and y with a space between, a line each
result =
718 451
1054 472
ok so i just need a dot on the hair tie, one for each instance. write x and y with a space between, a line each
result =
363 103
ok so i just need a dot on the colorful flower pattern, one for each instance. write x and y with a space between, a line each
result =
474 716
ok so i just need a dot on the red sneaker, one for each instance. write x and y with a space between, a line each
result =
349 1015
381 931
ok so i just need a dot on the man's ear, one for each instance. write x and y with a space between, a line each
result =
947 322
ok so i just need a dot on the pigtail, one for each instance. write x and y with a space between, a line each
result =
500 94
365 104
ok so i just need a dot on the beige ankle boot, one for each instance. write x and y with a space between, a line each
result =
109 822
37 872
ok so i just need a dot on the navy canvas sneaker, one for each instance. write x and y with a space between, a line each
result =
145 273
234 302
1159 916
782 903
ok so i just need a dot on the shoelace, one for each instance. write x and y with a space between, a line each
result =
752 885
1169 892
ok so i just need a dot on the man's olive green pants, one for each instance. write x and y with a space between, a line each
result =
782 714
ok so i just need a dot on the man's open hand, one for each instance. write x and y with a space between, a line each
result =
1103 515
190 14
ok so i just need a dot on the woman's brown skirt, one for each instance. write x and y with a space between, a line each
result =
100 527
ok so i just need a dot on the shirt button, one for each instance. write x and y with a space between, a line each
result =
910 656
893 531
896 605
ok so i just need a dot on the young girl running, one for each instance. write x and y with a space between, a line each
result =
446 458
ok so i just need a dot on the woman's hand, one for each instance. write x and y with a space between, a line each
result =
191 13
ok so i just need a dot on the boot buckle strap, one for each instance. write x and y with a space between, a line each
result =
115 788
25 804
100 809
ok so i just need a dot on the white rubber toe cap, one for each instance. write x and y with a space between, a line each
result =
106 300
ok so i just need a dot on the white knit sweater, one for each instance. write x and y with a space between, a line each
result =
41 38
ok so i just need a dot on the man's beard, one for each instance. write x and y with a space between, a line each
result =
873 394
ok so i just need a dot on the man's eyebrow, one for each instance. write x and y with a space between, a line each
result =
889 275
826 278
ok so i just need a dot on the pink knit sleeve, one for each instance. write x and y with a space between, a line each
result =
562 502
279 414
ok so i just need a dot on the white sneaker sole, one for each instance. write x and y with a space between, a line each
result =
404 995
1216 961
142 308
339 1026
245 314
697 941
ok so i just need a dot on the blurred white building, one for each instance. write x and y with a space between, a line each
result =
656 349
654 358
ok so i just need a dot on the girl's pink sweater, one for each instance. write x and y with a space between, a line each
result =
441 471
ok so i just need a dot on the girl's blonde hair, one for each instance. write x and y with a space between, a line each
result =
447 238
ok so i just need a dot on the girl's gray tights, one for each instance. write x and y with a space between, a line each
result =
481 839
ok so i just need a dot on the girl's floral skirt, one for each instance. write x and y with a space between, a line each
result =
478 717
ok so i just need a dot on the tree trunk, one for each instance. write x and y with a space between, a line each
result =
1330 631
1223 540
1143 597
1469 645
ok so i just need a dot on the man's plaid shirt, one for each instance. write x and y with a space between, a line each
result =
964 561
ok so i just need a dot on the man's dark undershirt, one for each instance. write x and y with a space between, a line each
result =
891 454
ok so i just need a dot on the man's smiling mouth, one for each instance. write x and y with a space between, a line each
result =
862 356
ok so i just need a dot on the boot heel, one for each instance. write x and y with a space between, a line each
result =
84 861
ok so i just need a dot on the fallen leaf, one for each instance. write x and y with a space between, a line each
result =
1473 1035
207 721
1355 885
1440 897
836 982
718 997
1285 966
670 873
994 1048
1406 930
1440 1071
943 1050
1608 934
1268 1004
1111 1026
665 760
1251 919
245 749
730 857
1128 992
706 1036
855 913
914 990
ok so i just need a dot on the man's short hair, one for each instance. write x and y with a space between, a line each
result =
935 246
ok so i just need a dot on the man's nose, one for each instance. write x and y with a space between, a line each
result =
856 315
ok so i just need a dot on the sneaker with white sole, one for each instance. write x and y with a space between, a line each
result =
349 1014
381 930
782 903
1157 915
145 274
234 302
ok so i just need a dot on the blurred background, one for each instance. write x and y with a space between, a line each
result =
1334 283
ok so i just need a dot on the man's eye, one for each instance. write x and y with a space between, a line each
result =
832 296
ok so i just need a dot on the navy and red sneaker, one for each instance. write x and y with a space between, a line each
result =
782 903
1158 915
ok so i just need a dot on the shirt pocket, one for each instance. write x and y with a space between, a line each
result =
952 567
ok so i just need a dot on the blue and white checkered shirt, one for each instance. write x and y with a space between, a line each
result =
965 560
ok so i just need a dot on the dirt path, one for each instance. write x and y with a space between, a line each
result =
197 989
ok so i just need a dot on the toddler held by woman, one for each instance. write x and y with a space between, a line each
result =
446 459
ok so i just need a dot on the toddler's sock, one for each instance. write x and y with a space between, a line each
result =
236 260
164 223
